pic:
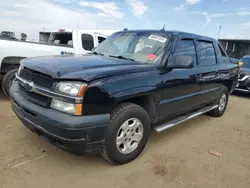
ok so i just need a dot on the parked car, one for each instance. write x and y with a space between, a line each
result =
7 35
134 81
244 76
61 42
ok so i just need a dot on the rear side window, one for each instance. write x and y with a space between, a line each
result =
87 42
186 47
100 39
61 38
207 53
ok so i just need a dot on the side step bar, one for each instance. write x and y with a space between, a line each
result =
182 119
244 90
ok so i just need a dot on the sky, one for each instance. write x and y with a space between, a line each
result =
196 16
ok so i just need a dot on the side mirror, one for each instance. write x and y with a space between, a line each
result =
181 61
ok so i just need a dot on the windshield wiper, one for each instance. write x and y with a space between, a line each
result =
96 53
121 57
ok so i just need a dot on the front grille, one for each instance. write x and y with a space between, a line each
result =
34 97
36 77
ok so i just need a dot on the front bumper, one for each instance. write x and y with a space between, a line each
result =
76 134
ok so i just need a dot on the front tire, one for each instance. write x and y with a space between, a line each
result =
7 81
222 103
127 133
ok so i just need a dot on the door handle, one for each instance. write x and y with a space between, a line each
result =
208 77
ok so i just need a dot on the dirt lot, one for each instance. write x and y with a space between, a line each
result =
176 158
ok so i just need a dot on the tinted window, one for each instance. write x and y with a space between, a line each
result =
87 42
60 38
187 48
100 39
246 62
222 51
207 56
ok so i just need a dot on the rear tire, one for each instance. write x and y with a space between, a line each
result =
222 103
127 133
7 81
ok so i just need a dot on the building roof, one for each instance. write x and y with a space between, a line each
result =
236 40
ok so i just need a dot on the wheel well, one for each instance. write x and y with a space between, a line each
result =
147 103
10 63
229 85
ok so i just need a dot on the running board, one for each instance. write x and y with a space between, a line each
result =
244 90
182 119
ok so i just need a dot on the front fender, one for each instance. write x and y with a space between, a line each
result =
129 93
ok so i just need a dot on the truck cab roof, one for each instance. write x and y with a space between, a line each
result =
173 32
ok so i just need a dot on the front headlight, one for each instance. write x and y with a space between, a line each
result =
69 108
72 89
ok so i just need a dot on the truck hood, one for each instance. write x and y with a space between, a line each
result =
83 67
244 71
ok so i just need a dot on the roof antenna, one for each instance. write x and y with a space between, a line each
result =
163 29
125 29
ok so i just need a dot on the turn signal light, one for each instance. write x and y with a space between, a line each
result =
82 90
78 109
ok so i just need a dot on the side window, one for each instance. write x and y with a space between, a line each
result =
207 56
186 47
223 54
100 39
87 42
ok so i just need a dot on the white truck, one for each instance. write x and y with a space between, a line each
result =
60 42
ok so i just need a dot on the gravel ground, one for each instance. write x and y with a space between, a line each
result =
178 157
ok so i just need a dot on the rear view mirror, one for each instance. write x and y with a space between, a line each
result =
181 61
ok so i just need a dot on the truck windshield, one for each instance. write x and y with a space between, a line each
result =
246 62
144 47
61 38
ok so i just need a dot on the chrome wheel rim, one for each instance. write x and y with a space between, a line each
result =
223 101
129 136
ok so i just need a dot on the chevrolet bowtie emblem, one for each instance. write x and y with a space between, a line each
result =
27 85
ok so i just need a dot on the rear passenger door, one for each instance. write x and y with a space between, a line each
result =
208 76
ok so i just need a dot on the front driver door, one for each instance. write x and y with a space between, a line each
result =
181 91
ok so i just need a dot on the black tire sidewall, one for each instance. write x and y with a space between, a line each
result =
113 153
8 77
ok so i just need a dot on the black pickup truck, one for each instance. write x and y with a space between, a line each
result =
109 100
